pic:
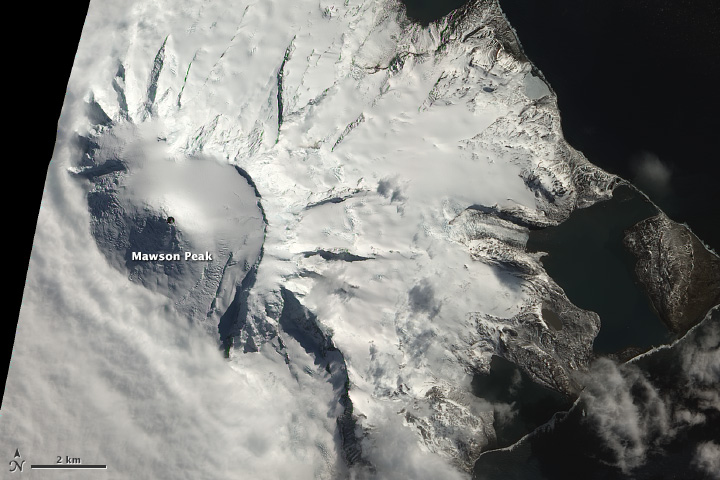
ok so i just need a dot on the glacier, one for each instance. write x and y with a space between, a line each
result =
366 186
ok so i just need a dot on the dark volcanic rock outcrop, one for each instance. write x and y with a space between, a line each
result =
680 275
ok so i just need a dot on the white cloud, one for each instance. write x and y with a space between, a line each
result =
627 425
395 452
109 372
701 359
651 173
106 370
707 458
633 416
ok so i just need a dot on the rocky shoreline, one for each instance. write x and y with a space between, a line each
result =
679 274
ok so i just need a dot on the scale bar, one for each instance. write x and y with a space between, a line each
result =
69 467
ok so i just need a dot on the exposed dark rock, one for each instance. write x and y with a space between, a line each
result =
550 356
514 216
339 255
680 276
302 325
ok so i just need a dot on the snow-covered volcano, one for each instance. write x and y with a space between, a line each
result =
364 186
188 226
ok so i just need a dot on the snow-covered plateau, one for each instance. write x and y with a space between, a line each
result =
365 186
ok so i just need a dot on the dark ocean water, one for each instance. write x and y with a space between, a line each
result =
636 87
586 257
577 446
426 11
530 405
636 82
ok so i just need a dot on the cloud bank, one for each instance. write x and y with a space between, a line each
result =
637 408
651 173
